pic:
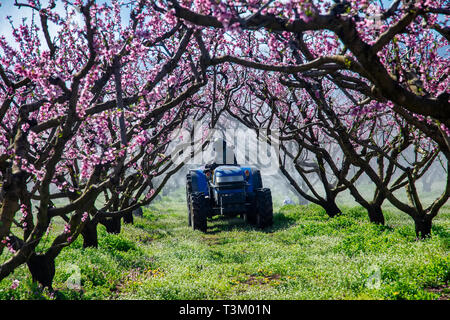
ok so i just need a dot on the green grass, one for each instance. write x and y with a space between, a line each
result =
305 255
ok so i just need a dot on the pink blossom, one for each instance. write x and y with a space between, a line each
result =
67 228
15 284
84 217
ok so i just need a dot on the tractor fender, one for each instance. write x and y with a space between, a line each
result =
199 182
254 179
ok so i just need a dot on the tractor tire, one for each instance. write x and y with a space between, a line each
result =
250 215
264 208
199 211
188 198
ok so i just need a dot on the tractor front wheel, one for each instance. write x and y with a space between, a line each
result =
264 208
199 211
250 214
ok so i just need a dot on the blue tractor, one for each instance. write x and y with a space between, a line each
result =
227 190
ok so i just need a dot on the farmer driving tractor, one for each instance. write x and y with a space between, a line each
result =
223 155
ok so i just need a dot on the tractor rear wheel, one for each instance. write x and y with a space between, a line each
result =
199 211
264 208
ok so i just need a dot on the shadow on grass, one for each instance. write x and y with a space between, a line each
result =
443 233
222 224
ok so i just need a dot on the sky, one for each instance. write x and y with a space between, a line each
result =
7 8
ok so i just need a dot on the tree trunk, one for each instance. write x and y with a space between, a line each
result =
7 211
42 268
423 227
116 224
375 214
112 224
89 233
128 218
331 208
